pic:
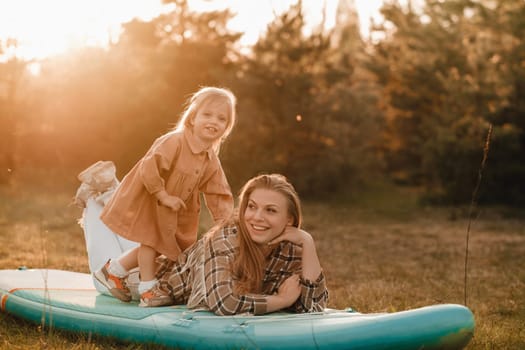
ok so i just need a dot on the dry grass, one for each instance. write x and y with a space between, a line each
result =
380 253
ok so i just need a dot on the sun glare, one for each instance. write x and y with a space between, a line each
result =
46 28
252 17
34 68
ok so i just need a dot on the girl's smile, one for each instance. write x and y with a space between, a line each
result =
210 121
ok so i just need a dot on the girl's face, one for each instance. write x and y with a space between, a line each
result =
266 215
210 121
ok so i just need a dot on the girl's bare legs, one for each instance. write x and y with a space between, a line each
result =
147 264
129 260
147 267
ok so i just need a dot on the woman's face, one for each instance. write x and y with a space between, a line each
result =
266 215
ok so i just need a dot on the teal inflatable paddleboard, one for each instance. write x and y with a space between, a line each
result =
67 300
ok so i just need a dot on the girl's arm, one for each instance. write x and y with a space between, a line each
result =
172 202
158 160
217 194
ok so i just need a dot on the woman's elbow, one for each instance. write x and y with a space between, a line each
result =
222 305
222 310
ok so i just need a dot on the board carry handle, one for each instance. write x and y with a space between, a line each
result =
242 327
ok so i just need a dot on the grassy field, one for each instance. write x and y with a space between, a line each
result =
381 253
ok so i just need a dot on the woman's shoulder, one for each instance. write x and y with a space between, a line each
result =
227 231
225 238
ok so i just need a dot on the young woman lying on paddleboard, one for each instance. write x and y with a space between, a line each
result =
258 261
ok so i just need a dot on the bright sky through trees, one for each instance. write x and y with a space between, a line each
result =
49 27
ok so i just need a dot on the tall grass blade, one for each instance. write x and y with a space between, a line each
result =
473 204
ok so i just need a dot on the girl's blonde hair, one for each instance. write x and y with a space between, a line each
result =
203 96
248 265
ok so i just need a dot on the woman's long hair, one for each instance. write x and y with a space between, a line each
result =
203 96
248 265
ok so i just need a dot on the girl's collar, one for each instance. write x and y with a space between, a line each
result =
195 145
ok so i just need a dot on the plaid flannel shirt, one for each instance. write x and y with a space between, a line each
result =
178 278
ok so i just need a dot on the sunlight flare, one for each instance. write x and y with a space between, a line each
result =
47 28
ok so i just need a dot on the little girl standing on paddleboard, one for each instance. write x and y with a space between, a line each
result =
157 203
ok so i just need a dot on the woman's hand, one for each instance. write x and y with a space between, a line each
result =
172 202
310 261
288 293
290 290
294 235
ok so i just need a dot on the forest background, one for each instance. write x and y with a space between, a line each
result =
385 140
330 110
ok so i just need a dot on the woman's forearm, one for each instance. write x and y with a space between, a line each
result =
276 302
310 261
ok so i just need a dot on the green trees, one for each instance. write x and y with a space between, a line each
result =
505 22
324 107
303 113
444 72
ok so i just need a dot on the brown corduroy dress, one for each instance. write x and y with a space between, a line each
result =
177 164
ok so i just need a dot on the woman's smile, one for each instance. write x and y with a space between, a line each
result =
266 215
